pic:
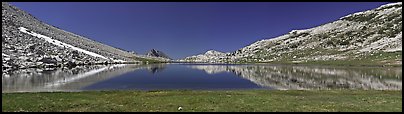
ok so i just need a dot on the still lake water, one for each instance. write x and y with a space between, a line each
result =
202 77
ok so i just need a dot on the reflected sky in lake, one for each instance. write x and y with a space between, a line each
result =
202 77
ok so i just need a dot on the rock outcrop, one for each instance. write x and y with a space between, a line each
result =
210 56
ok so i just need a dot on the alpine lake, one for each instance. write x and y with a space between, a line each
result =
177 76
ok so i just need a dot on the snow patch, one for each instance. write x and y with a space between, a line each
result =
61 44
299 31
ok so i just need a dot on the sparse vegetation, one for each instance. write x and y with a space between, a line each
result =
195 101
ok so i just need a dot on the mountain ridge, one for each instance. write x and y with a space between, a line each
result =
31 43
353 37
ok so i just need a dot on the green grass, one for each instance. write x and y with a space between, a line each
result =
242 100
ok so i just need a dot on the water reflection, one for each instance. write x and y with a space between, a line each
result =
60 79
155 68
284 77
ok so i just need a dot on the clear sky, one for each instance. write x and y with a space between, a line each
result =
190 28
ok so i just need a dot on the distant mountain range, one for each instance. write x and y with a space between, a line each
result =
372 36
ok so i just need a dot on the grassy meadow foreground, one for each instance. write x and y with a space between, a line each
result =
239 100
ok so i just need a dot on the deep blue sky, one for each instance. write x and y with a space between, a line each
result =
184 29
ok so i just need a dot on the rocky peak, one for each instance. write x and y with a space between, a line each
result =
157 53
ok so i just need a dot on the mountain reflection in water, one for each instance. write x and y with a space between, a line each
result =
59 79
278 77
287 77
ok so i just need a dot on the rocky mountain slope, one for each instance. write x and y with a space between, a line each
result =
210 56
369 36
28 42
157 53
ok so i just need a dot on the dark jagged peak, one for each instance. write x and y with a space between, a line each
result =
157 53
